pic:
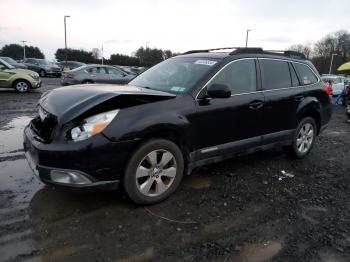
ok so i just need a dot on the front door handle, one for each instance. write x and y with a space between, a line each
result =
256 105
299 98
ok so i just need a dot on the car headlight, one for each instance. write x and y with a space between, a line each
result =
34 76
93 125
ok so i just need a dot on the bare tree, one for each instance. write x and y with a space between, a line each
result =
96 53
304 49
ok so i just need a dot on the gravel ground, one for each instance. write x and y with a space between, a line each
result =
258 207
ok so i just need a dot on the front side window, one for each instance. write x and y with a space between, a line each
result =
307 77
239 77
275 74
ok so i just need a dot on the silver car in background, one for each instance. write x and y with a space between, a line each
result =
90 74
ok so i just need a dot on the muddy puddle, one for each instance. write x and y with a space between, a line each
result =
16 178
17 188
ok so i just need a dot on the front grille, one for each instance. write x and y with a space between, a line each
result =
44 125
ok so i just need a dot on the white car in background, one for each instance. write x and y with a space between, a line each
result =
338 84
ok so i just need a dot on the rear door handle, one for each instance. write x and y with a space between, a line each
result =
256 105
299 98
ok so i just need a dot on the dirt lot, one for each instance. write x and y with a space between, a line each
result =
252 208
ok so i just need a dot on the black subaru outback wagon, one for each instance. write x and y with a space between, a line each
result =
190 110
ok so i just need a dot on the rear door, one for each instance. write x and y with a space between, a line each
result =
283 94
228 125
101 75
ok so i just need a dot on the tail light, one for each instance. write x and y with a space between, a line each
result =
348 89
328 89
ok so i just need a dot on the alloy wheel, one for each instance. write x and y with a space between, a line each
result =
156 172
305 138
22 87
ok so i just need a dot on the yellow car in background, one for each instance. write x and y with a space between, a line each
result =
21 80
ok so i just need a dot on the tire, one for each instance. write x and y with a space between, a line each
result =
156 180
303 138
42 73
87 82
21 86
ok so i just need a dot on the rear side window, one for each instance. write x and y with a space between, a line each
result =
239 76
275 74
295 80
307 77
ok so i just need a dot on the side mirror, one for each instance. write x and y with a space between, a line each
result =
218 91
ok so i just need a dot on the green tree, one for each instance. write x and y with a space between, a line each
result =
75 55
148 56
15 51
123 60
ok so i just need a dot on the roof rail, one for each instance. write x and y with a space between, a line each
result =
208 50
252 50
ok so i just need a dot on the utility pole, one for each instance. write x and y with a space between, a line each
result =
24 49
330 67
102 54
65 39
246 39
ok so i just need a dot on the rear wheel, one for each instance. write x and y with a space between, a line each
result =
304 138
21 86
154 171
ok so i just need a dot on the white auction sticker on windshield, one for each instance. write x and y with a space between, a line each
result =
205 62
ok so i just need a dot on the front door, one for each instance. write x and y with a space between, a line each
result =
227 125
4 77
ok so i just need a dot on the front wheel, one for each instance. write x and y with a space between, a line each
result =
154 171
21 86
303 139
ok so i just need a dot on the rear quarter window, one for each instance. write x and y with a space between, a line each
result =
307 77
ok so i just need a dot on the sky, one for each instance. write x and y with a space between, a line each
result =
178 25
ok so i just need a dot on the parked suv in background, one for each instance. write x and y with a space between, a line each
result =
90 74
42 67
188 111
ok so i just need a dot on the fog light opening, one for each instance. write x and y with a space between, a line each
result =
69 177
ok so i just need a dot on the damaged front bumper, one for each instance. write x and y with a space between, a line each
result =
94 164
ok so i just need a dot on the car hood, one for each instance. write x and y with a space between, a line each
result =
67 103
20 71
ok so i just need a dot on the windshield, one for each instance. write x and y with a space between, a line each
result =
7 65
44 62
8 60
175 75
